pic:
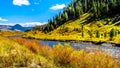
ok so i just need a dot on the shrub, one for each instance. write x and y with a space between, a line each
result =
14 55
33 45
97 34
68 57
112 33
62 54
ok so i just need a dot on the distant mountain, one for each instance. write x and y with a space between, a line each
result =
5 26
16 27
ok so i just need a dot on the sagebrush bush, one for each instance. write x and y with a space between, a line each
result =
69 57
30 44
15 55
62 54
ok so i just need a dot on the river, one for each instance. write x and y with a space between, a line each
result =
89 46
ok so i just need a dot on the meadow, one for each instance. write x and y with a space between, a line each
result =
13 54
67 57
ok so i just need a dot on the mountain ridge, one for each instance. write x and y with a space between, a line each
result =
16 27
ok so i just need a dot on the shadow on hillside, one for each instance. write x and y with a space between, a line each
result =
89 19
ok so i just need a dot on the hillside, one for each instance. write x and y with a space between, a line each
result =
82 29
83 20
99 9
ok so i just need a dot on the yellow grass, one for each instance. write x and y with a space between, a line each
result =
75 33
13 55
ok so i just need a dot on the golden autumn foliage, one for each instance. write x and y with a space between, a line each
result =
62 54
10 33
33 45
81 59
30 44
67 57
117 39
14 55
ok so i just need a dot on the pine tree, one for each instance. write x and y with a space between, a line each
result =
98 9
114 3
90 33
51 27
85 5
77 13
59 19
55 23
107 8
72 11
97 34
94 9
82 28
78 9
112 33
66 16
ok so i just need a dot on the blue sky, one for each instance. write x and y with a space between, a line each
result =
29 12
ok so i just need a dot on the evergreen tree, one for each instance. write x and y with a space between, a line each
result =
98 8
77 13
90 33
51 27
82 28
97 34
66 16
94 9
55 23
78 9
107 8
72 11
112 33
85 5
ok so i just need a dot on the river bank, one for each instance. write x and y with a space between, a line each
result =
88 47
100 42
110 48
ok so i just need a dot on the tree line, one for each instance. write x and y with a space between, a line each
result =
99 8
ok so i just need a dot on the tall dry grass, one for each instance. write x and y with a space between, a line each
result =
68 57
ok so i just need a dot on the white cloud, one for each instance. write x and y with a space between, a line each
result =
21 2
26 24
31 24
57 7
3 20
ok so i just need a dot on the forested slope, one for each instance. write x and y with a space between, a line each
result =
98 9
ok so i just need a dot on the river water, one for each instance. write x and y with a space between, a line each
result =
89 46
